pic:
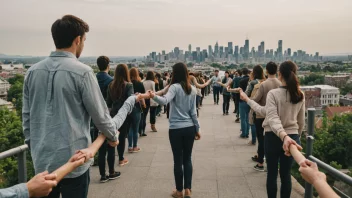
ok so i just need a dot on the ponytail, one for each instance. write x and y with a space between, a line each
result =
288 71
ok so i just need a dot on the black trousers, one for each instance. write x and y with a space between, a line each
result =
237 105
106 148
181 141
274 153
260 136
124 129
216 93
226 103
72 187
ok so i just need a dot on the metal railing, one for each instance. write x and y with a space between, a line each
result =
21 157
327 168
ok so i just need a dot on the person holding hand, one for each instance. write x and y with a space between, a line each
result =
284 121
184 126
311 174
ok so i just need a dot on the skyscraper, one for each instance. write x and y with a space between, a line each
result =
221 51
246 49
230 47
216 49
177 52
262 48
279 50
190 48
210 50
289 51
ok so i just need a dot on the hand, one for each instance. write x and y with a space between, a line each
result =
77 159
243 96
311 174
87 153
113 144
41 184
198 136
151 94
286 145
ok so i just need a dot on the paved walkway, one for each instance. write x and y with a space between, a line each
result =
221 163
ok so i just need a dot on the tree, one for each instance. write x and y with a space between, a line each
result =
11 135
14 94
346 89
17 78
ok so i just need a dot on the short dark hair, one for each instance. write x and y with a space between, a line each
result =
271 67
216 70
103 62
245 71
66 29
239 72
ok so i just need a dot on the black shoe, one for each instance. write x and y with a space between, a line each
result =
227 113
247 136
259 168
104 179
223 114
234 112
255 158
144 134
241 136
114 175
237 120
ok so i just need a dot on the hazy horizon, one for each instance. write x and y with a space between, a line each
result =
138 27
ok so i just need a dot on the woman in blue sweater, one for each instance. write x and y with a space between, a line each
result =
184 126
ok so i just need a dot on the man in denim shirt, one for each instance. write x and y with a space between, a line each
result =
60 96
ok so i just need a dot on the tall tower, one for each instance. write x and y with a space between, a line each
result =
279 50
216 49
190 48
210 51
262 48
246 49
230 47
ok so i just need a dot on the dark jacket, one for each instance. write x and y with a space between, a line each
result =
104 80
243 84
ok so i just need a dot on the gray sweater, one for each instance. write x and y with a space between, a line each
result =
182 107
280 114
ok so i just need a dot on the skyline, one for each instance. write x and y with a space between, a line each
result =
137 27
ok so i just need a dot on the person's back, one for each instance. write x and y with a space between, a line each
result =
266 86
104 79
57 88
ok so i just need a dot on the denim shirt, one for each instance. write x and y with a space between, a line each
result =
60 96
17 191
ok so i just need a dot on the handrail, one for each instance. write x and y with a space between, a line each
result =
20 151
13 151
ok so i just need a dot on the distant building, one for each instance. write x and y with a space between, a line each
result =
346 100
337 80
321 95
4 103
4 87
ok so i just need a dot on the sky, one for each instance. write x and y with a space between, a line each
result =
138 27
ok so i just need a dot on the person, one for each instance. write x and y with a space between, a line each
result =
60 96
216 86
226 81
136 113
159 85
149 84
260 97
118 92
310 173
284 121
256 77
235 85
243 106
104 79
184 126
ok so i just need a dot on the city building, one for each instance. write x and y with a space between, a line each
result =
4 103
346 100
318 96
4 87
230 47
338 80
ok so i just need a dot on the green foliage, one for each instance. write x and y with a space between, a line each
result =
346 89
312 79
14 94
190 64
17 78
11 135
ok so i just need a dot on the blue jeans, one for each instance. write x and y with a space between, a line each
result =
134 129
216 93
244 111
254 133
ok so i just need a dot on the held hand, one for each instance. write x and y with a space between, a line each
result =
243 96
77 159
198 136
41 184
311 174
113 144
286 145
151 94
87 153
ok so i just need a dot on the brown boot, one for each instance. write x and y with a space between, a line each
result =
153 128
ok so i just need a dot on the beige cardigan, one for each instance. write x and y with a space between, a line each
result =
280 114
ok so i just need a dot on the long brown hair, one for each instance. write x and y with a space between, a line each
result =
134 75
117 86
180 75
288 71
258 72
